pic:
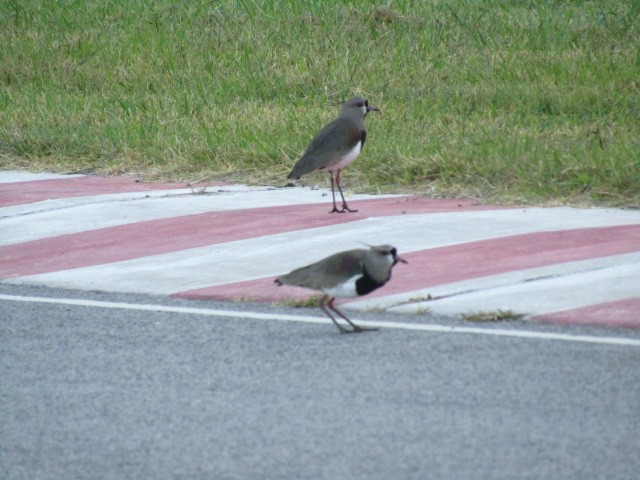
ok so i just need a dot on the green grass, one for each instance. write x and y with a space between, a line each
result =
308 302
515 101
493 316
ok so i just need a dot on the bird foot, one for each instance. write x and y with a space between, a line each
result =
344 209
357 329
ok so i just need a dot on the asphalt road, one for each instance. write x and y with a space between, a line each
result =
98 393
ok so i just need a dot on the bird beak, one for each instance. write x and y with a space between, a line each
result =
399 259
375 109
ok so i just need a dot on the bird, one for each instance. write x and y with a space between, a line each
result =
336 145
352 273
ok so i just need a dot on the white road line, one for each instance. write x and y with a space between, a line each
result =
265 256
308 319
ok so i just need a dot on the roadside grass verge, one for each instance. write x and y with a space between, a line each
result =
493 316
534 102
308 302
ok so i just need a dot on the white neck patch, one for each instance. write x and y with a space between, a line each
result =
389 258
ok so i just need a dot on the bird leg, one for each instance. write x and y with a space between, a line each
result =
345 207
323 308
356 328
333 192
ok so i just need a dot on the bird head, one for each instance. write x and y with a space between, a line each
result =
388 251
358 104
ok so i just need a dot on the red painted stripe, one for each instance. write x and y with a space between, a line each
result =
18 193
456 263
623 313
126 242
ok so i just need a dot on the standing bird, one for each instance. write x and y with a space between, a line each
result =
346 274
335 146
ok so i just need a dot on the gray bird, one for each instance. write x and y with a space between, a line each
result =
335 146
346 274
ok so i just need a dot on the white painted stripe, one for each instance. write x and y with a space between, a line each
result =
34 221
270 255
542 296
70 202
527 334
176 194
11 176
409 302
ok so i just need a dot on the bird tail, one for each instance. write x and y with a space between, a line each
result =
302 167
296 172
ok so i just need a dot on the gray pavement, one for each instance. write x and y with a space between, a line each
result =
99 393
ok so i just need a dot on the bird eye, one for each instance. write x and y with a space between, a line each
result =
360 104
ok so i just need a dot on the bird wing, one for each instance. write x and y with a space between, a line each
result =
326 273
334 271
328 147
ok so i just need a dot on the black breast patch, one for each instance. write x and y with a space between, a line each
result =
366 284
